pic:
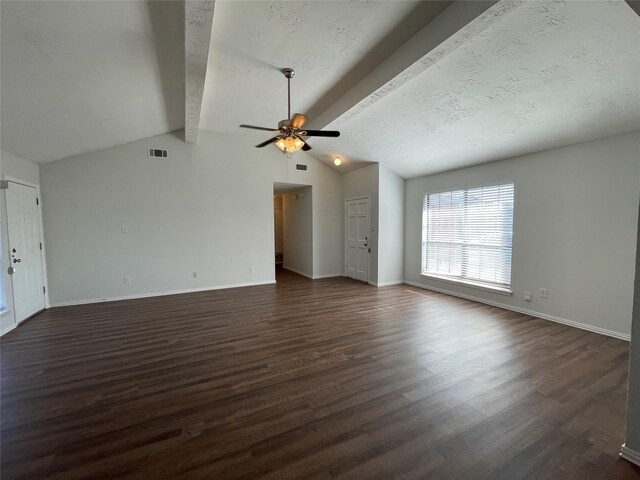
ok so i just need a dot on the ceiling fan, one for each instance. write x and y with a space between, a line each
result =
290 132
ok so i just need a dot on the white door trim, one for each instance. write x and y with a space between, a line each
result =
344 236
43 254
630 455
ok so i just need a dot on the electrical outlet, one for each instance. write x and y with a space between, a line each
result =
195 274
252 269
124 229
544 293
127 280
528 296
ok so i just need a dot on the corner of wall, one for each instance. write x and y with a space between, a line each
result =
633 399
19 168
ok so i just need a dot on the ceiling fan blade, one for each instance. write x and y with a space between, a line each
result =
306 147
321 133
259 128
297 120
271 140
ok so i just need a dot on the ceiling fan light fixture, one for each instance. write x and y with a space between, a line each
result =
289 144
288 140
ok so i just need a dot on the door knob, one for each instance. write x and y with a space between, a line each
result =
11 270
17 260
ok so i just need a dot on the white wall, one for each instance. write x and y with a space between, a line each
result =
20 169
16 167
207 208
390 227
298 231
633 400
386 192
361 183
328 218
575 226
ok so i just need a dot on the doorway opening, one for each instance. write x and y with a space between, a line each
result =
293 230
278 217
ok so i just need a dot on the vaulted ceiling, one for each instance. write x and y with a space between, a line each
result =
79 76
420 87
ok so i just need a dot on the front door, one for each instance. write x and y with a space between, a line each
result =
25 252
357 238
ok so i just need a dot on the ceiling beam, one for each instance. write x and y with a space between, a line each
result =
635 5
454 27
198 19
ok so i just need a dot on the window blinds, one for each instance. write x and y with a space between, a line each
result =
467 234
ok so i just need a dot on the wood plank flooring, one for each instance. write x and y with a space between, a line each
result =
309 380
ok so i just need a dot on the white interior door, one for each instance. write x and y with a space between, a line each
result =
25 250
357 238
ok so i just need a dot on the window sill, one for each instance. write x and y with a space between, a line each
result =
4 311
467 283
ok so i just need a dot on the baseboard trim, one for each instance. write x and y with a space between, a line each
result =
298 272
12 327
328 275
386 284
313 277
630 455
159 294
544 316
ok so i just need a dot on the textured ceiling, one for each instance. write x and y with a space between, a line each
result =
547 74
79 76
331 45
543 75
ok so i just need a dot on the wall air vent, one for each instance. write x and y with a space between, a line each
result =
301 166
157 152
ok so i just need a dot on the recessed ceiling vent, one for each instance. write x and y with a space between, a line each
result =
158 152
301 166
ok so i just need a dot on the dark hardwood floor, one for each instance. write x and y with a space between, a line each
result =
309 380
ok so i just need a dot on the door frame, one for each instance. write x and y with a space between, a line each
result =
43 255
275 225
344 235
285 188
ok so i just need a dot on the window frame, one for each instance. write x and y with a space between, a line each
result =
476 284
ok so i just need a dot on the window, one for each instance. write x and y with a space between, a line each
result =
467 235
